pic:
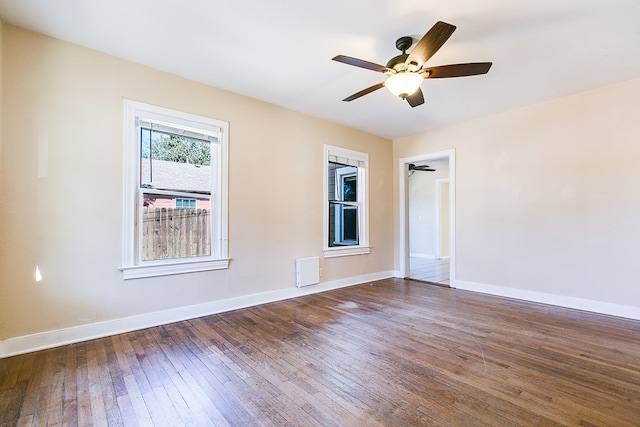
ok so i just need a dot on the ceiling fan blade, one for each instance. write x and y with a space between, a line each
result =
458 70
430 43
364 92
360 63
416 98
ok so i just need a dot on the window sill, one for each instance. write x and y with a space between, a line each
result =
154 270
346 251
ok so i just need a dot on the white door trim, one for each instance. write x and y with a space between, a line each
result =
403 223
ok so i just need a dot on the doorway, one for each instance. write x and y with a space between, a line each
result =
427 217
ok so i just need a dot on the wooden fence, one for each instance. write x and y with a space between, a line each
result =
175 233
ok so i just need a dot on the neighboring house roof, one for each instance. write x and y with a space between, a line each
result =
176 176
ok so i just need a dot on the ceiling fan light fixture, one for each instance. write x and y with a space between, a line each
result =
404 83
405 73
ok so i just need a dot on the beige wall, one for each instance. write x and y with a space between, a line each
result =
62 190
444 229
1 92
3 200
548 197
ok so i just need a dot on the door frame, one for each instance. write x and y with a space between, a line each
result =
403 220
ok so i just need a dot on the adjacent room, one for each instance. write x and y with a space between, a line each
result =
289 213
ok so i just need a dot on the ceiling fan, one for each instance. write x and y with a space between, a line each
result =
406 71
425 168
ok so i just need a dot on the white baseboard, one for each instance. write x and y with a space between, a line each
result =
627 311
425 256
49 339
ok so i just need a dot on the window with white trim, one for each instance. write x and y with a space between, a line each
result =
175 207
186 203
346 229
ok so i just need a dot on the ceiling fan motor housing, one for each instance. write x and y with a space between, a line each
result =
397 62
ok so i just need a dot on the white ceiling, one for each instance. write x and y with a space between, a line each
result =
280 51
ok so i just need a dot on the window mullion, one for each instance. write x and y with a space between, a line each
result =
182 194
339 202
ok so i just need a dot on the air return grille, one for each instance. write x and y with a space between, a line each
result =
307 271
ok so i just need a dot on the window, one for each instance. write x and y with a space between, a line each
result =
345 195
175 208
185 203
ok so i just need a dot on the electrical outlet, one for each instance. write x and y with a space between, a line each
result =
320 271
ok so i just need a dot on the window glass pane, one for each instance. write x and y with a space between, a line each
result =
343 225
174 162
343 182
173 231
349 225
350 188
332 225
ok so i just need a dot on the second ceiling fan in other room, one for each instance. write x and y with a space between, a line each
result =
423 168
406 71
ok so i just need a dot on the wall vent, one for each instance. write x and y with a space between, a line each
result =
307 271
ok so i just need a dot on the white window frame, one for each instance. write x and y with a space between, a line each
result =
348 157
132 265
341 174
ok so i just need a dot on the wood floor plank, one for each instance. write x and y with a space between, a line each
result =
185 414
56 401
70 388
96 395
136 401
11 402
85 416
127 412
207 400
10 372
391 352
31 395
24 421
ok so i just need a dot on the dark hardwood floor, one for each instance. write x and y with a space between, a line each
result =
393 353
